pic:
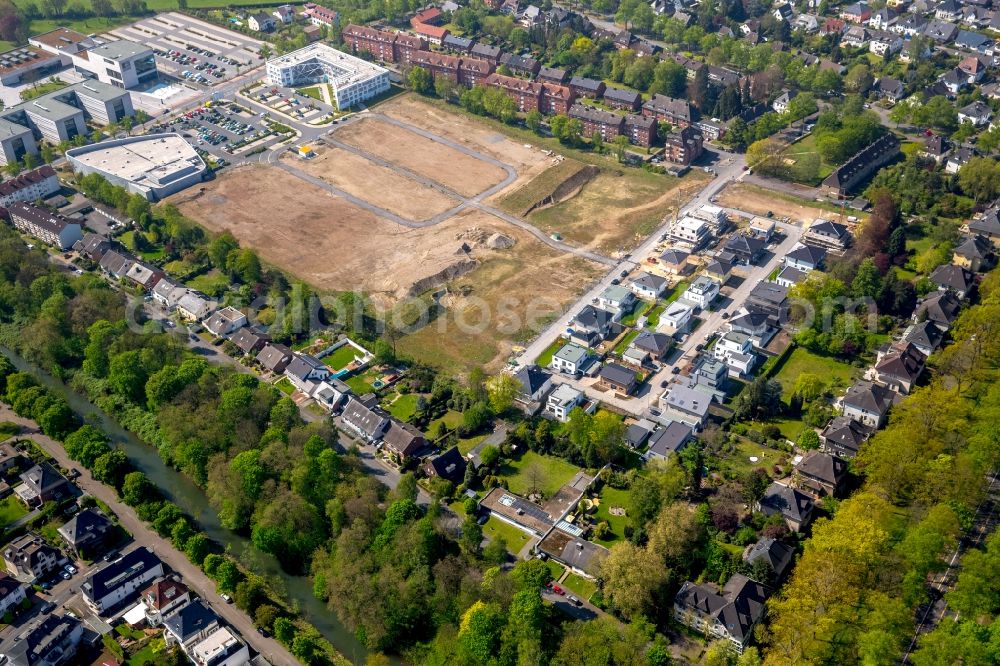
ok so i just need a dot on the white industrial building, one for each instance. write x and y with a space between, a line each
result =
121 63
155 166
353 80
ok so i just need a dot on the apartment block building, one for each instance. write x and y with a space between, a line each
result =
48 227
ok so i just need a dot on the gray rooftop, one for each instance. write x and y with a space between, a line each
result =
119 49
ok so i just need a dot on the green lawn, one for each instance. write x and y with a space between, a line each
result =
285 386
466 444
790 428
404 406
128 239
834 372
361 384
579 586
642 307
87 25
545 357
451 419
612 497
675 293
212 283
626 341
43 89
311 91
555 569
554 473
11 509
514 537
738 462
340 358
149 653
653 316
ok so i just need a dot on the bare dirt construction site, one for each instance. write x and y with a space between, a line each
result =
462 173
759 200
336 246
374 183
527 160
510 297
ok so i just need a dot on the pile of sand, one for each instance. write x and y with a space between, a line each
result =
499 242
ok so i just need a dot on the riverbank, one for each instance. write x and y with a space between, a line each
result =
180 490
193 576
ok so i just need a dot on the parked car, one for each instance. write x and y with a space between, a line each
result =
225 597
576 602
70 568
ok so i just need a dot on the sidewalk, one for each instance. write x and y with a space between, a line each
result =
193 576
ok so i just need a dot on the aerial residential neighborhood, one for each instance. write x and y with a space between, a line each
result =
499 333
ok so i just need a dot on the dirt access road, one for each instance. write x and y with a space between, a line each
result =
194 577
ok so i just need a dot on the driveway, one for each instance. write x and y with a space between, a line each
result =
194 577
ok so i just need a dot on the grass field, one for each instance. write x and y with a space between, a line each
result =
790 428
738 462
404 406
545 357
612 497
340 358
285 386
212 283
836 374
514 537
808 145
622 346
553 473
653 316
43 89
11 509
675 293
311 91
451 419
360 384
579 586
520 200
466 444
149 653
617 208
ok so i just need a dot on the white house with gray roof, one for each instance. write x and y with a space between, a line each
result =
571 359
701 292
686 403
648 286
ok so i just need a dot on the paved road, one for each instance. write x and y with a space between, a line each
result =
984 524
726 173
144 535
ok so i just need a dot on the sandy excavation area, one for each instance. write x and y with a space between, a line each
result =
374 183
459 128
462 173
332 244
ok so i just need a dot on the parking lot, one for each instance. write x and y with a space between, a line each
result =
193 50
223 129
291 102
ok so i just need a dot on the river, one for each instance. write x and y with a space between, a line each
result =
183 492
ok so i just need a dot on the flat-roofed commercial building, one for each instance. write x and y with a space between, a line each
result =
59 116
353 80
26 64
63 42
155 166
121 63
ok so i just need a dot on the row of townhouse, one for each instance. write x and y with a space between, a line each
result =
639 130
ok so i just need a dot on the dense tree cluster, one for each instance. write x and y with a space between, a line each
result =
853 594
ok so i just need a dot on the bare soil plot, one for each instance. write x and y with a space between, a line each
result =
462 173
376 184
328 242
616 210
464 130
506 300
758 200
